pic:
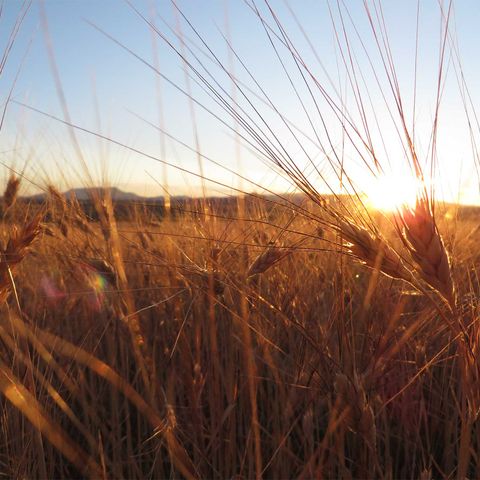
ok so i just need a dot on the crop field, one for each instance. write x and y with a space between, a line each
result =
328 329
211 347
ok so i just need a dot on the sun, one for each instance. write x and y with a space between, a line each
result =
393 191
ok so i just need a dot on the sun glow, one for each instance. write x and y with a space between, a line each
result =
392 192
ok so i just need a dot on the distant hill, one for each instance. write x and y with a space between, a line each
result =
86 194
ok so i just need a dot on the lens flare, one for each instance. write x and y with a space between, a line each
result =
52 292
97 283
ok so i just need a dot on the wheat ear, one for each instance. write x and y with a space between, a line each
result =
11 192
426 247
15 251
371 250
269 257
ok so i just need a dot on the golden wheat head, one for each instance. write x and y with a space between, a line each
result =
427 249
269 257
372 251
17 247
11 192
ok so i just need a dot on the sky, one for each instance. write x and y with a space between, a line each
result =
100 65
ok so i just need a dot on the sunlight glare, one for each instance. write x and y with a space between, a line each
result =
392 192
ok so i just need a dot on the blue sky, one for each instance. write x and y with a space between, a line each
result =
107 89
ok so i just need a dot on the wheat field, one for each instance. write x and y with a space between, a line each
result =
301 334
152 349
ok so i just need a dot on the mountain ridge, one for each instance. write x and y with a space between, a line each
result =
83 194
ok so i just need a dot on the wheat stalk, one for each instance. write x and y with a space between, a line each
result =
353 400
